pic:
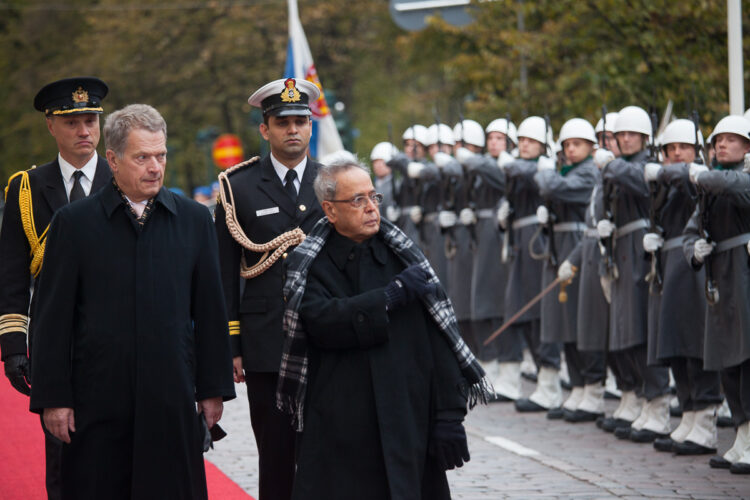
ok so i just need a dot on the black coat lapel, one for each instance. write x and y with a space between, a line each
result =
54 189
306 193
271 185
102 175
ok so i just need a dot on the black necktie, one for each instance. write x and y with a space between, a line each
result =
76 193
291 175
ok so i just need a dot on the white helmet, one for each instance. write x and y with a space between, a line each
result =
534 127
732 124
747 114
504 127
611 120
471 133
417 132
633 119
383 151
682 131
445 135
577 128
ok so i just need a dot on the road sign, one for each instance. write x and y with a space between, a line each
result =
411 14
227 150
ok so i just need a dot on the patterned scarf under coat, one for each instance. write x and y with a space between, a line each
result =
290 392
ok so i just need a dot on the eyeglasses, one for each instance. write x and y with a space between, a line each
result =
360 201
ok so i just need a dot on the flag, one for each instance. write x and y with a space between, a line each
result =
299 64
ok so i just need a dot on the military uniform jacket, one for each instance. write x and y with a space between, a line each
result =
431 238
678 329
48 195
459 264
727 335
566 197
377 381
408 197
264 210
629 309
489 273
131 332
524 273
592 325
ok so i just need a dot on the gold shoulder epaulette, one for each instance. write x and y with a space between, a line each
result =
13 177
245 164
26 209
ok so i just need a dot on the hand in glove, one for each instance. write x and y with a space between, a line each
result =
566 271
605 228
398 162
17 371
702 249
606 283
695 170
746 162
415 214
602 157
447 218
545 163
467 217
748 247
408 285
463 155
652 242
503 213
392 213
441 159
651 171
504 159
448 445
414 169
542 214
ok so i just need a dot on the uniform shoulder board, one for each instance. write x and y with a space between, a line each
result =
240 166
20 173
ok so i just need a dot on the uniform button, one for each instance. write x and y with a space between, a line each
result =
351 256
360 317
284 255
302 208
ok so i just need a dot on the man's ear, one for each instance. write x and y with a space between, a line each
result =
112 160
263 130
330 210
49 120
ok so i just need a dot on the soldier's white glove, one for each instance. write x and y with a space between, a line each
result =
695 170
441 159
467 217
502 214
504 159
746 168
606 283
415 214
463 155
651 171
542 214
748 247
565 271
545 163
605 228
392 213
447 218
602 157
702 249
652 242
413 169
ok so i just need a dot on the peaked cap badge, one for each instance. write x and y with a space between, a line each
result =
290 92
80 95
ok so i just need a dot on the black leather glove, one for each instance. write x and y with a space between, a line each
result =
17 371
399 162
448 444
408 285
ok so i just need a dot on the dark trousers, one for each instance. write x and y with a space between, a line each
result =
53 457
482 329
274 436
544 353
623 378
736 382
697 388
584 367
650 381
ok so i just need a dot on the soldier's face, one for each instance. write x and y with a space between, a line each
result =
730 148
529 149
631 142
496 143
679 152
140 171
288 136
357 224
576 150
76 135
610 143
380 169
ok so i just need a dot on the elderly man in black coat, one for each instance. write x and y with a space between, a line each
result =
385 391
131 328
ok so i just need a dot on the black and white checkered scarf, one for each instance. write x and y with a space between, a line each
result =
290 392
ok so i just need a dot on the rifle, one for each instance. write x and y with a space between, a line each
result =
550 226
394 191
467 190
447 195
510 184
609 203
657 195
603 137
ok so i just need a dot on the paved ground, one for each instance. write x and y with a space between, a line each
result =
528 456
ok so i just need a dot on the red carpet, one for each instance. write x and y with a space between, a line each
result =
22 454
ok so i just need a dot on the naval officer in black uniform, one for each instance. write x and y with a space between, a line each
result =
72 107
265 207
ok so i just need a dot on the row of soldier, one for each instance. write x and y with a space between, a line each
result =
640 232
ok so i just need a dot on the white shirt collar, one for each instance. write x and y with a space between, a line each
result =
282 169
89 169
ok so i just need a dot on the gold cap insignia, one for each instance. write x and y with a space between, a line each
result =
290 92
80 95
